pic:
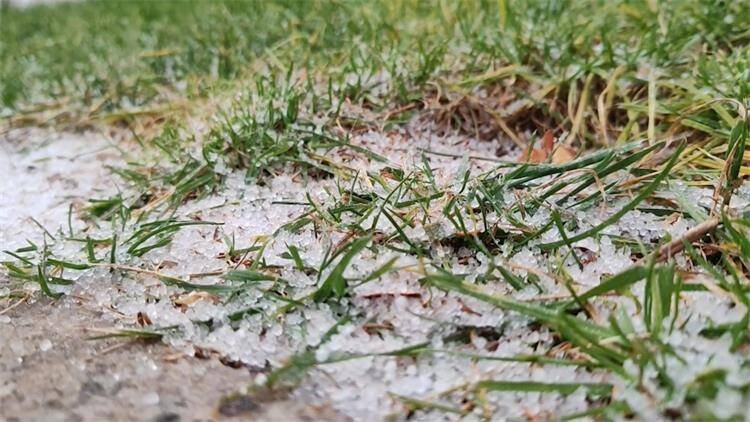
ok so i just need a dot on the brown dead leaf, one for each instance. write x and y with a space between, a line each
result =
548 141
193 297
537 156
387 174
143 319
563 154
540 155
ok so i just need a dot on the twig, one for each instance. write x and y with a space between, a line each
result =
15 305
678 244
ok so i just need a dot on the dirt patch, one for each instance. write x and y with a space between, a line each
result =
50 371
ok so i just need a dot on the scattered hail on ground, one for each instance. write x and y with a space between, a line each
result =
368 365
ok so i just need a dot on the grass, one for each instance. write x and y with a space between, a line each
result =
644 94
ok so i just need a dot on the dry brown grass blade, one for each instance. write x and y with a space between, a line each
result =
678 244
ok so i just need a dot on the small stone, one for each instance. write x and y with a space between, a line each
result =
150 399
45 345
237 405
167 417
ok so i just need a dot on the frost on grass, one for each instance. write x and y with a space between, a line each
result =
246 280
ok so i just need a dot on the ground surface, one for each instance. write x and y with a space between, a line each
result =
375 211
49 370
